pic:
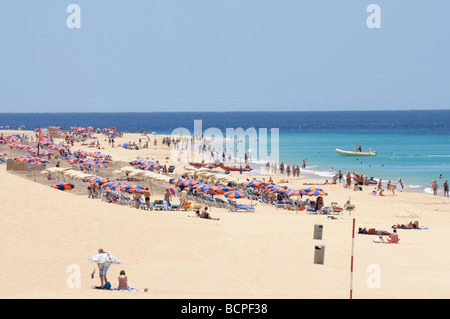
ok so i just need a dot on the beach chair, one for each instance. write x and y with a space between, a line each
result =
158 205
280 204
233 207
336 209
264 200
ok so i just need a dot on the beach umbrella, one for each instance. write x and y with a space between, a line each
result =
203 187
209 165
227 189
176 181
293 192
3 154
189 183
63 186
407 215
312 191
104 258
214 190
235 194
99 165
133 189
277 189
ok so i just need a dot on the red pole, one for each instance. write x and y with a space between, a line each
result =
351 264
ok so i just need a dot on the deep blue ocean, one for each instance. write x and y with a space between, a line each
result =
411 145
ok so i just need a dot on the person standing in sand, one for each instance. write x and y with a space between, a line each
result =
147 198
167 199
380 188
399 185
103 269
446 189
349 180
183 199
435 187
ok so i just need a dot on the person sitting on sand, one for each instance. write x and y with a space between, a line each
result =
204 213
319 203
123 281
393 237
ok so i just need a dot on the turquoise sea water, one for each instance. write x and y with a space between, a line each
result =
416 159
411 145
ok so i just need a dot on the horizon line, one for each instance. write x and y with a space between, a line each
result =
251 111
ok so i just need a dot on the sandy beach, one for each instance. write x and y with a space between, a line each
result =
48 234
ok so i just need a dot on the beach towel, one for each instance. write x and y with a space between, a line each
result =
383 242
128 288
421 228
204 218
106 286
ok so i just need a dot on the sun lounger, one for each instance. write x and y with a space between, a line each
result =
235 207
158 205
280 204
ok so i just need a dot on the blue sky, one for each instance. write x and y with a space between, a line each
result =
224 55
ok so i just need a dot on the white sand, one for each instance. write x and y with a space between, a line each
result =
266 254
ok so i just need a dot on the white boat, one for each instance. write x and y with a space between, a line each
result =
355 153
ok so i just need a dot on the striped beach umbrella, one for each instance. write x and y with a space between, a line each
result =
312 191
235 194
3 154
99 165
104 258
407 215
293 192
177 181
133 189
63 186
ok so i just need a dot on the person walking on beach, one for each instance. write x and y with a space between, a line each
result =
147 198
167 199
435 187
103 269
446 189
